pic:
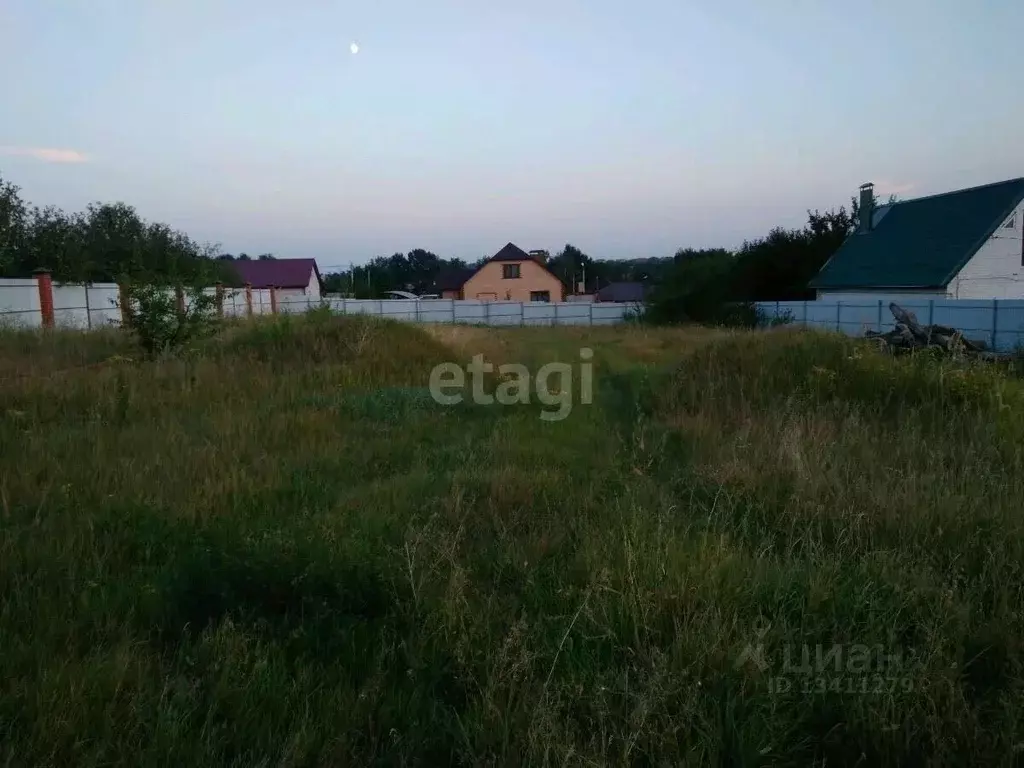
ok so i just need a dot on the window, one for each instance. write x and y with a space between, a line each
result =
509 271
540 295
1012 223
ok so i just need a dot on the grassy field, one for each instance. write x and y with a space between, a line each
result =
754 548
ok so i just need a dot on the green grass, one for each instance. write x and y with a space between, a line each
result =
276 550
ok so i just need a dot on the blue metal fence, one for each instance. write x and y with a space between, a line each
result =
997 322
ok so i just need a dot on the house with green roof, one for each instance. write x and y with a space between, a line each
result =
967 244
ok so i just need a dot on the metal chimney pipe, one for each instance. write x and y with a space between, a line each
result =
866 211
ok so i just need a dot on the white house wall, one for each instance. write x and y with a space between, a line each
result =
313 289
995 271
300 299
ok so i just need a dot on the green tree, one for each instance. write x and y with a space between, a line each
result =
113 241
717 286
697 288
337 282
56 240
13 216
424 268
572 266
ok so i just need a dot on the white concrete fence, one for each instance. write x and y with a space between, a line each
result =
37 303
997 322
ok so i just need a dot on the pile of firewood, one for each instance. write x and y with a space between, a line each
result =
908 334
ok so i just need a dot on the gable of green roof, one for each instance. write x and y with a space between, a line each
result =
921 243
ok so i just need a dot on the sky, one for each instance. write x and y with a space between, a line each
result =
628 129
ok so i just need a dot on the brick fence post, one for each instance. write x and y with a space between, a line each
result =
44 282
220 299
273 300
248 299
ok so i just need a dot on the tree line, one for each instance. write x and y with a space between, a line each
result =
694 284
423 272
107 242
110 242
713 285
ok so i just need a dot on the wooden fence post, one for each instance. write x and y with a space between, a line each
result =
220 299
44 282
273 300
179 300
122 302
88 309
248 299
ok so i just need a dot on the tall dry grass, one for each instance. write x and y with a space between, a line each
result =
278 550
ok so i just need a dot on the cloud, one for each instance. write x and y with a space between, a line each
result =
47 154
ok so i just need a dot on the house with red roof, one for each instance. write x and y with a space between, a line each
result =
293 278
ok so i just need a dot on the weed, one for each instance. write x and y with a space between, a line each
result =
280 550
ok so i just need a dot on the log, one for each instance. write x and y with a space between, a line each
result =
908 334
909 319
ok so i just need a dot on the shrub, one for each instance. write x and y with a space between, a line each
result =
164 322
695 291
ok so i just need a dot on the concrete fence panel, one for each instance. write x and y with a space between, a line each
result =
19 303
97 305
505 313
437 311
470 311
539 313
610 313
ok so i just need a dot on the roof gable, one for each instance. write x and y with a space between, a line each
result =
512 252
921 243
276 273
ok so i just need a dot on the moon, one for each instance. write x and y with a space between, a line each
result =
354 48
